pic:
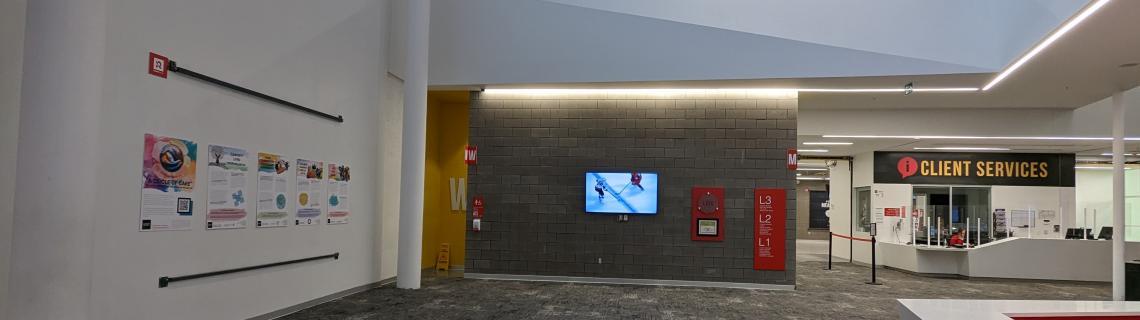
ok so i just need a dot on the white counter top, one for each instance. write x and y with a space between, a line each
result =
934 309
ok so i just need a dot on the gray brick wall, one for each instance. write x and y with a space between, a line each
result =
534 151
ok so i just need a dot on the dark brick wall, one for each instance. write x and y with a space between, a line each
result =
534 151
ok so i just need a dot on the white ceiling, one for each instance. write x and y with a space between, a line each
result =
980 33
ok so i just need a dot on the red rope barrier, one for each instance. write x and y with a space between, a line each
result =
850 238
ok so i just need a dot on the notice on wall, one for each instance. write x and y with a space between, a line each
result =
226 202
999 220
272 185
309 192
768 233
338 194
878 215
168 183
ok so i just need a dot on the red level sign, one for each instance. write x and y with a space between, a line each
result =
793 159
159 65
768 241
477 207
470 155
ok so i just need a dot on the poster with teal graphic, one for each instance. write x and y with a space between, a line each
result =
310 193
272 187
169 168
226 201
338 194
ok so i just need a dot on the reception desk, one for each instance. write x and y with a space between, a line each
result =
1012 258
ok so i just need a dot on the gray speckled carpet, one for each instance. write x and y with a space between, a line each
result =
821 294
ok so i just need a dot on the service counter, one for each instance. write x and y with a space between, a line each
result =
935 309
1012 258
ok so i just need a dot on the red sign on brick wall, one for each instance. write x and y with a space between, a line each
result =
768 241
793 159
470 155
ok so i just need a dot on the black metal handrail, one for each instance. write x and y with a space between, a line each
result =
190 73
163 282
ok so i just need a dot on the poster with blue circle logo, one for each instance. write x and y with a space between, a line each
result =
169 168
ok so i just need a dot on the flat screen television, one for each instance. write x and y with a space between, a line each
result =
621 192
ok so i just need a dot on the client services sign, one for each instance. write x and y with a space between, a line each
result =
1010 169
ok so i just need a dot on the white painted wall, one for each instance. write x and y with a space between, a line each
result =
1060 199
11 66
1094 192
78 254
892 196
840 212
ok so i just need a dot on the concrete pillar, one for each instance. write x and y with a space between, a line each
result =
61 101
414 146
1118 196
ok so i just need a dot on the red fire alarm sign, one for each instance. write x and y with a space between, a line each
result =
159 65
470 155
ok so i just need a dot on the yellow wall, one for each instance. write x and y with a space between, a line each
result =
446 137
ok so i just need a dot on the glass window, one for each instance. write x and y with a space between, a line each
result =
863 209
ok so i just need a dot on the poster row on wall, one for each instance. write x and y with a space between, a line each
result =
169 179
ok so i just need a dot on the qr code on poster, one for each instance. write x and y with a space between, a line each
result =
185 206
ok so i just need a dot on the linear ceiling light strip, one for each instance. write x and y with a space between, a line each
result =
1068 25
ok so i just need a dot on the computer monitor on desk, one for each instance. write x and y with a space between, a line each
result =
1078 233
1105 233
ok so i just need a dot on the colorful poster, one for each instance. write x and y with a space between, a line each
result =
272 185
309 192
168 183
226 191
338 194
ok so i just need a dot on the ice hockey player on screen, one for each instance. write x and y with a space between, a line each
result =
635 179
600 188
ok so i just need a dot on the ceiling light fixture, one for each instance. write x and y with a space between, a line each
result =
1109 154
812 178
811 169
828 143
1069 25
974 137
1099 168
964 148
683 91
813 150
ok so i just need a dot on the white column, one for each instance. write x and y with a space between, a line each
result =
61 99
1118 196
414 147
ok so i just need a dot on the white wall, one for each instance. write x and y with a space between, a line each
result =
11 65
892 196
79 254
1059 199
1094 192
840 212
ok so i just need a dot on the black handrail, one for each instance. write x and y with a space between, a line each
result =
190 73
165 281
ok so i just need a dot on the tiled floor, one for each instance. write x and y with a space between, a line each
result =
821 294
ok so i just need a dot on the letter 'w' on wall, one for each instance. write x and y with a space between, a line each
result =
458 195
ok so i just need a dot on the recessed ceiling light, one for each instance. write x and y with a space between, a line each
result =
1109 154
812 178
811 169
964 148
812 150
1069 25
828 143
1099 168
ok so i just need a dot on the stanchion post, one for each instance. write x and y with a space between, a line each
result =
830 236
874 264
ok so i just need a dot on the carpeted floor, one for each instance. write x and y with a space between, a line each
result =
837 294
